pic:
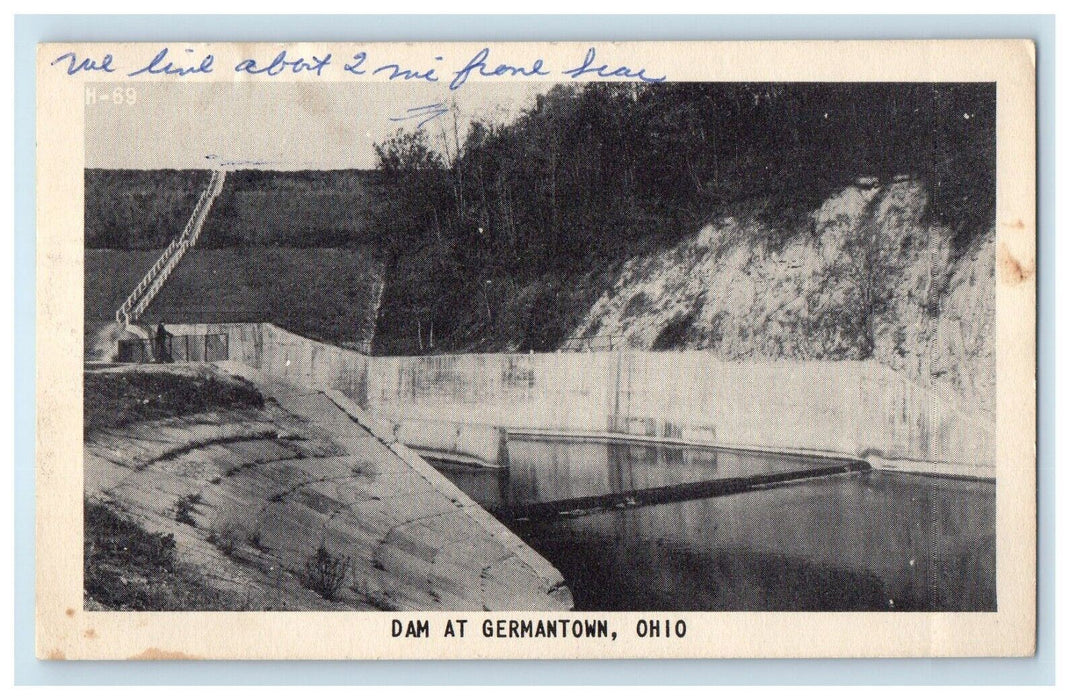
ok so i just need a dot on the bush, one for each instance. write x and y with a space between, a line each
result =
185 507
111 535
129 568
120 559
324 572
228 537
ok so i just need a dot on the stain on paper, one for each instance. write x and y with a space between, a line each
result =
155 654
1010 270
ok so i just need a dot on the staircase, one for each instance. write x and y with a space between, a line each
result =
134 306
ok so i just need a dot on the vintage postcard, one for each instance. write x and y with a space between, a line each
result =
536 350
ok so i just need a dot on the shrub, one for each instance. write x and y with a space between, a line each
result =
324 572
122 561
228 537
185 507
112 535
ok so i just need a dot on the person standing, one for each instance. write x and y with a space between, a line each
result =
161 344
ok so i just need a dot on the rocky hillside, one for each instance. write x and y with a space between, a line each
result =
816 220
863 277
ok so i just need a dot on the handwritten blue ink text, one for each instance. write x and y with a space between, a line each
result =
430 75
281 63
159 65
478 63
74 65
422 114
353 68
604 71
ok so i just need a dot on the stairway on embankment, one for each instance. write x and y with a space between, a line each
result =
151 283
251 494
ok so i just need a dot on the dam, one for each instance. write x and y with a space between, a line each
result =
676 481
841 409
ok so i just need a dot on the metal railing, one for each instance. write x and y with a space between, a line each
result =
151 283
592 343
208 347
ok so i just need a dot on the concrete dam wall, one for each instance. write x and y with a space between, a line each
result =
843 408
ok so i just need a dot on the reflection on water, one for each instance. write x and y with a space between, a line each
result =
551 471
874 541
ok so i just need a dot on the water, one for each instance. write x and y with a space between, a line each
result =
860 541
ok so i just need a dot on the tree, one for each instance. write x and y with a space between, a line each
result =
414 178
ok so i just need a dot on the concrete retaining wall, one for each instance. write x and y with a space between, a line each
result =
857 409
477 445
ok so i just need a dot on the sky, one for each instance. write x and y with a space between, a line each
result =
283 126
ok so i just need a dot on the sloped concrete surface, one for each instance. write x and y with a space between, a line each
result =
250 495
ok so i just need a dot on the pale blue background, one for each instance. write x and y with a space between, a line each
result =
30 30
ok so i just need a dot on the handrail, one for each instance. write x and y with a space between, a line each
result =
590 343
147 288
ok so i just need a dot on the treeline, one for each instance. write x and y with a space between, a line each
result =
502 235
311 208
145 209
138 209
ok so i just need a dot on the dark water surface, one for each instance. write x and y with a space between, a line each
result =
861 541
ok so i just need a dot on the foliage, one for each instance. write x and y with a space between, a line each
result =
593 174
228 536
145 209
116 551
139 209
324 572
300 209
112 399
185 509
110 534
126 567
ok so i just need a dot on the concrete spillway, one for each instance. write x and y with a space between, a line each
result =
251 495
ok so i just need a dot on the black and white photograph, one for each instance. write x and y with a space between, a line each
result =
693 346
571 350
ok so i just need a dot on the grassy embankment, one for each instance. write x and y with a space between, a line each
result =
113 400
290 248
